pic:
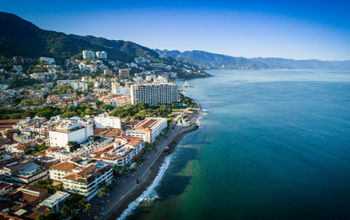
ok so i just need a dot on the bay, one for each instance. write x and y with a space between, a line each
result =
275 144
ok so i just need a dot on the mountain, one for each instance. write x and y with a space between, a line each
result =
213 60
19 37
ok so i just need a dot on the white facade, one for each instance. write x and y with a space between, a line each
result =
104 120
87 54
79 85
149 129
121 90
48 60
101 54
87 148
80 182
56 201
70 131
154 94
121 152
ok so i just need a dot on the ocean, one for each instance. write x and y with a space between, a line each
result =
274 144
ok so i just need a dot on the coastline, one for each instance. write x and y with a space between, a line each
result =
118 200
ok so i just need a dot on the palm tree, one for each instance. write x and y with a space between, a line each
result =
88 207
101 193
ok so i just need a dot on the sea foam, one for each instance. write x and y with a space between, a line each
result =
150 193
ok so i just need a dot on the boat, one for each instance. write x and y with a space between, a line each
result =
186 84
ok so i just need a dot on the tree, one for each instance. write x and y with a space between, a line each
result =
49 216
88 207
101 193
107 107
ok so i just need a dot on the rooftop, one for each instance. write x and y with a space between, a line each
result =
55 199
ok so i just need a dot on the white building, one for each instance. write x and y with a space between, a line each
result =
56 201
70 130
17 68
48 60
79 85
58 154
161 79
87 54
148 129
75 84
118 102
101 54
88 147
154 94
124 73
120 90
104 121
83 179
121 152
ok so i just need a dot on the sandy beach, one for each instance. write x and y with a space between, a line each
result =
129 188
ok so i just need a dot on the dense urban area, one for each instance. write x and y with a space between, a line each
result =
69 130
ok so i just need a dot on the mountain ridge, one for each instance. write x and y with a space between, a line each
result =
213 60
19 37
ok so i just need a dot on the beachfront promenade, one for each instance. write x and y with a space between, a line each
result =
129 188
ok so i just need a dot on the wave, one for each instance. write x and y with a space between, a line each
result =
150 193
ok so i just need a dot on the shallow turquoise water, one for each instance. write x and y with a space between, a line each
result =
274 145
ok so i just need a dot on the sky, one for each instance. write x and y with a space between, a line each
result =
289 29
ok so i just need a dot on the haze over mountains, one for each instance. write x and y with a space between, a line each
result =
213 60
19 37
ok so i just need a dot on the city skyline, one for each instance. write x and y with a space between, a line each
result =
251 29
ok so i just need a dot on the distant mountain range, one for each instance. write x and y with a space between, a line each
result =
19 37
213 60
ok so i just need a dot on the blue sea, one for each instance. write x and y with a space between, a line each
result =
274 144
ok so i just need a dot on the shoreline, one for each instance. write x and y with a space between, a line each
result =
119 200
153 172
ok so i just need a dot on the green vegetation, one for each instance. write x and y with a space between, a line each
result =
141 111
38 42
21 81
30 102
49 216
107 107
48 185
36 150
47 111
187 101
74 206
73 146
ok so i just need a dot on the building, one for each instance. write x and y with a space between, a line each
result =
121 152
17 68
5 188
161 79
70 130
124 73
22 171
79 85
117 89
154 94
148 129
85 179
58 171
47 60
118 102
75 84
101 54
106 121
56 201
88 54
57 153
90 146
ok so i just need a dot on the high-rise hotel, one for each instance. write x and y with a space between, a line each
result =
154 94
